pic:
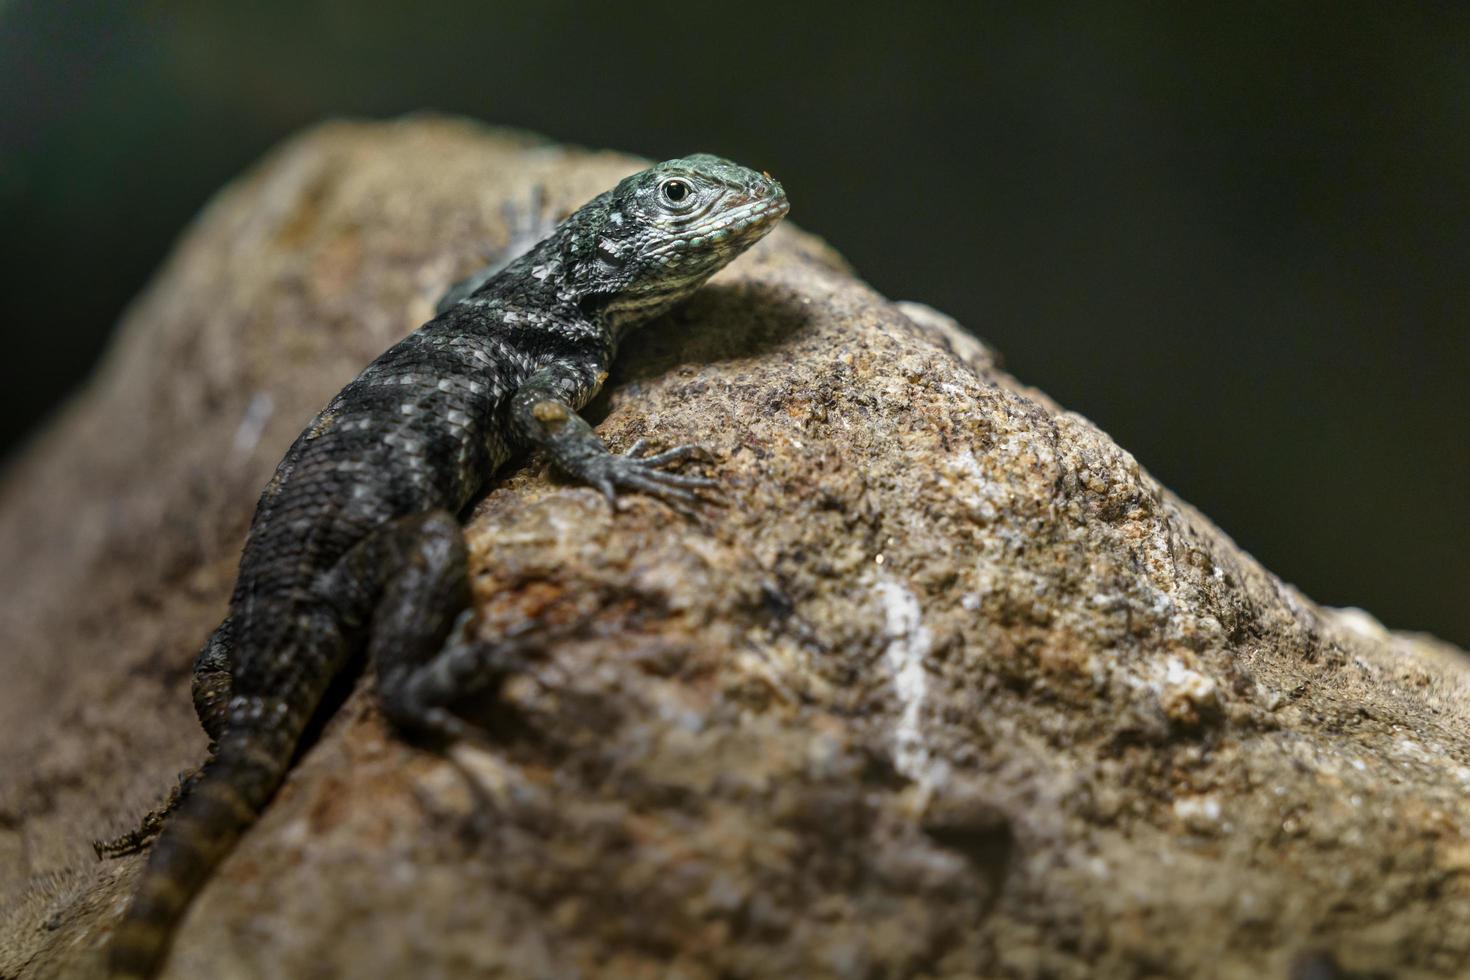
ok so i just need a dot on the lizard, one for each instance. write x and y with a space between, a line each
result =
356 544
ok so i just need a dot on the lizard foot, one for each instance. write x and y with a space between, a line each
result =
633 470
149 827
416 699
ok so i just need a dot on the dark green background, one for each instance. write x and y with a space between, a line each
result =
1234 235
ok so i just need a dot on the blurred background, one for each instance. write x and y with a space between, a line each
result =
1236 236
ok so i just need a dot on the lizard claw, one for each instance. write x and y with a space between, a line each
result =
632 470
150 826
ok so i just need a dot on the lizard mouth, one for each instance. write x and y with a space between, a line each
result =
742 225
763 210
752 221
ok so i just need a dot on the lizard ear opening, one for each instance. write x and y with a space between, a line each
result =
610 254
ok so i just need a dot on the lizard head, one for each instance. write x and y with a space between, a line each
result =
658 235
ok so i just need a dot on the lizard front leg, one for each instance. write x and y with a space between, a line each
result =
528 223
543 414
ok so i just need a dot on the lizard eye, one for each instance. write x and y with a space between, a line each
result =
676 193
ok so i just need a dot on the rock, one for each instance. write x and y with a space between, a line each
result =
950 687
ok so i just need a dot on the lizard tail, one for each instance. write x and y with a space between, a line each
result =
230 794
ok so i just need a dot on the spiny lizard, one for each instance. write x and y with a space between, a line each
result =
355 539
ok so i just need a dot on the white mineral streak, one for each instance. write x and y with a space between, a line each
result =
252 424
908 646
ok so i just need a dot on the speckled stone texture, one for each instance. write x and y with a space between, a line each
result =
950 687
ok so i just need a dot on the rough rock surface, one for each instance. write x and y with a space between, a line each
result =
949 688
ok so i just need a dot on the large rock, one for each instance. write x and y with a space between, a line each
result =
949 687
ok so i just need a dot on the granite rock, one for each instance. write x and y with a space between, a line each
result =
948 687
